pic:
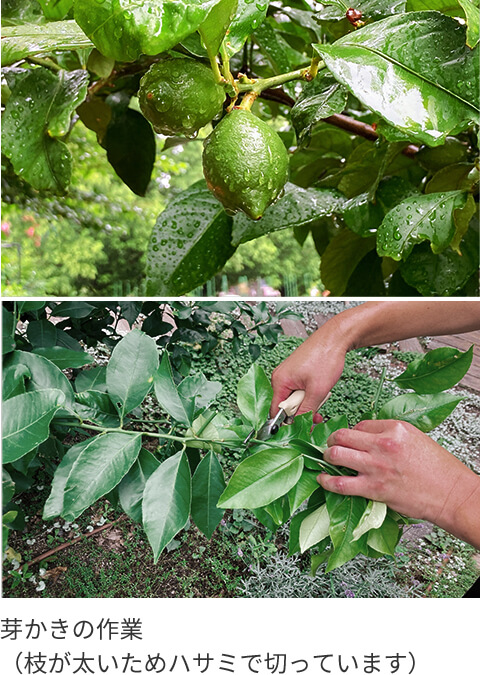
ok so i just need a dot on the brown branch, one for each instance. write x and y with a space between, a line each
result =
341 121
67 544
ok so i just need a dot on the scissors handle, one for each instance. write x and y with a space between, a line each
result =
292 403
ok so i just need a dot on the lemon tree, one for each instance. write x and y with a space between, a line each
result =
355 126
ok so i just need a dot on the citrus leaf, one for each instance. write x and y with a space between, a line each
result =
54 10
249 16
254 395
132 485
473 21
18 42
443 273
99 467
54 505
26 421
180 407
94 378
424 411
297 207
124 29
36 114
8 331
42 374
322 97
262 478
190 242
372 518
130 371
314 528
215 26
341 257
64 358
438 370
418 218
208 484
345 514
166 502
414 70
385 538
306 486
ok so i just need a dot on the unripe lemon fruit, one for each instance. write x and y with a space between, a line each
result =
245 163
179 96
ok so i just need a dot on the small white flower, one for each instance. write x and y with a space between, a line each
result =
15 564
40 586
42 571
30 542
89 528
40 487
57 525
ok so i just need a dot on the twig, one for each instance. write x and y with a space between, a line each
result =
52 551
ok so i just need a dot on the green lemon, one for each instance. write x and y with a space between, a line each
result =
245 163
179 96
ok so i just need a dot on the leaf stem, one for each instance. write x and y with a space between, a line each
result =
379 391
260 85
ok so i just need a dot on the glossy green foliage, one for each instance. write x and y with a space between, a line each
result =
26 421
37 115
245 163
36 40
436 371
131 370
422 78
127 29
180 96
190 242
183 478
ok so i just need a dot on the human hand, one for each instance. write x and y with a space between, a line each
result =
400 465
315 366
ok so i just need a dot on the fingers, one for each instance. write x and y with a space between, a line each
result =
352 438
355 486
347 457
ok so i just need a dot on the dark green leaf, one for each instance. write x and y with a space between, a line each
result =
199 388
323 430
438 370
306 486
18 42
64 358
130 144
189 244
97 406
215 26
131 370
254 395
13 380
366 280
208 484
76 309
42 374
445 273
125 31
473 21
322 97
37 113
414 70
262 478
385 538
93 378
416 219
180 407
424 411
99 467
26 421
297 207
166 502
341 257
132 485
345 515
8 487
248 18
8 331
54 505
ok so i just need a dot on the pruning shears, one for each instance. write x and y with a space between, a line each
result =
285 414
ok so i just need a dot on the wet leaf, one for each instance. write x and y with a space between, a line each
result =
296 208
414 70
189 244
215 26
341 257
37 113
249 16
322 97
418 218
124 31
18 42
